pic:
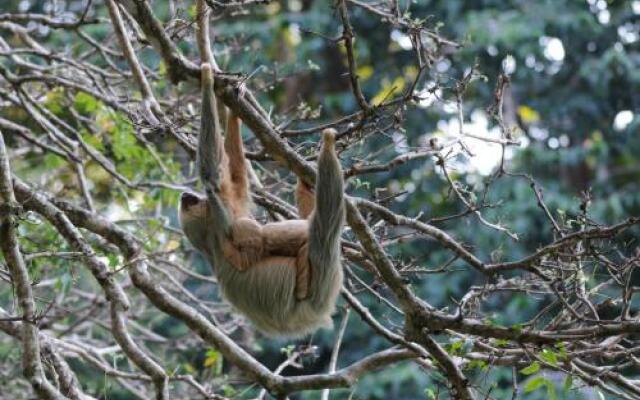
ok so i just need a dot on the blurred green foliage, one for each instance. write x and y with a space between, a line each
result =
565 105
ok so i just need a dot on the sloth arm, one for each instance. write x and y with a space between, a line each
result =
276 243
251 242
285 238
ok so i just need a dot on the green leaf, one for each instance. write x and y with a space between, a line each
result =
562 351
431 395
113 260
85 103
535 383
188 368
549 356
54 101
213 360
568 383
288 350
531 369
517 328
191 11
455 346
53 161
483 365
228 390
91 139
551 390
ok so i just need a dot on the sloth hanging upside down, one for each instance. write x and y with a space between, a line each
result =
284 276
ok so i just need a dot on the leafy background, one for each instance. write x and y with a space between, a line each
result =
575 95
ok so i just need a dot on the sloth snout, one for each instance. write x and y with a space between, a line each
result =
188 200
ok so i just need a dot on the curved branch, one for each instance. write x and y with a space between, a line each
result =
31 364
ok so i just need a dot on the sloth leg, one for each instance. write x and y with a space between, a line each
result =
246 247
212 160
306 203
318 267
247 239
237 167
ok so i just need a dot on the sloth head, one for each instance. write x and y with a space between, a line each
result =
193 216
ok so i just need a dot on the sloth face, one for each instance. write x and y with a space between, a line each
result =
193 216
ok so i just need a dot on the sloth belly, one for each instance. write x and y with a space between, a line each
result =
265 294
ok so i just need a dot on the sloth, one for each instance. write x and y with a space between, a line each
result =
283 276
